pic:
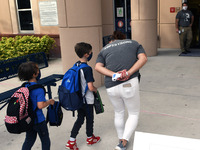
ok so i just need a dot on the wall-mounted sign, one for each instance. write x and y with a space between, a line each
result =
120 12
120 24
172 9
48 13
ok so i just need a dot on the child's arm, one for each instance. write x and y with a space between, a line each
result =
41 105
91 87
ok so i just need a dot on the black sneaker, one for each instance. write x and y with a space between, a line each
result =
184 52
188 51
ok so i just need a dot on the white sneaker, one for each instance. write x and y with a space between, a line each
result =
120 146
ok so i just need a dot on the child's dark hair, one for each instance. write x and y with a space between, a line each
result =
26 70
118 35
82 48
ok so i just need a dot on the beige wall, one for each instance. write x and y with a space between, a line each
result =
107 17
144 24
9 20
5 18
168 38
80 21
158 23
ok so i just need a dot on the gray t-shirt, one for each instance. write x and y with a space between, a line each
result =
184 17
119 55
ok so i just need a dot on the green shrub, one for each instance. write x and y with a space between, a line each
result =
24 45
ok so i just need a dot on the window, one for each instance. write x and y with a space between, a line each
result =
24 16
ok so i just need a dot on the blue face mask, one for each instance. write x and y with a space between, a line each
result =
39 75
90 57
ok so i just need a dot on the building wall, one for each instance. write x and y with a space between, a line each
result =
9 24
98 15
143 18
167 36
9 21
144 24
145 13
107 17
80 21
5 18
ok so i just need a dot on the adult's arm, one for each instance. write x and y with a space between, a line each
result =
176 24
142 59
192 21
103 70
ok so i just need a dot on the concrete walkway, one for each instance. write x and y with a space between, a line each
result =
170 102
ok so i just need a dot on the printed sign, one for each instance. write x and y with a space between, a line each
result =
120 12
48 13
172 9
120 24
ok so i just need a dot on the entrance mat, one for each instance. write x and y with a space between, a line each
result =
150 141
194 53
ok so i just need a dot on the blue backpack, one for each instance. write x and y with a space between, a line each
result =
69 92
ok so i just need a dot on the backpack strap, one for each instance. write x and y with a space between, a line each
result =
36 86
80 66
83 65
32 87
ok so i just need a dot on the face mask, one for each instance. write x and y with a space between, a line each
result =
185 7
90 57
39 75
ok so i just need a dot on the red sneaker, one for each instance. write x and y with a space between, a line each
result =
72 145
93 140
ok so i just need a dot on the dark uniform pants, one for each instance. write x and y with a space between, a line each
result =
87 111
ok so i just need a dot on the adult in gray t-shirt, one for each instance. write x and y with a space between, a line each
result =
119 55
184 22
125 57
184 18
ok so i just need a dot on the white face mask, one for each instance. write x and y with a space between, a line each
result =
185 7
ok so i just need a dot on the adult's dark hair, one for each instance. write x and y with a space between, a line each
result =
118 35
26 70
82 48
185 3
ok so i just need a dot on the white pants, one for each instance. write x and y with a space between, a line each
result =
126 95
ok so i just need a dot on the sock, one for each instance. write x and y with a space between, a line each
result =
72 139
89 137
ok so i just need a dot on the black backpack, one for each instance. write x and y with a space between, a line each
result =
54 114
20 115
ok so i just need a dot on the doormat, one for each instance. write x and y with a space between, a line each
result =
194 53
150 141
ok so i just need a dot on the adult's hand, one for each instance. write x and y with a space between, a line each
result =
124 75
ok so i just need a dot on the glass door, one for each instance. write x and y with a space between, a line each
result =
122 16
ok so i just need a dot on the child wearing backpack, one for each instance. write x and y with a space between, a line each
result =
29 71
84 52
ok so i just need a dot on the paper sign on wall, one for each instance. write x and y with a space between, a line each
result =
48 13
120 12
